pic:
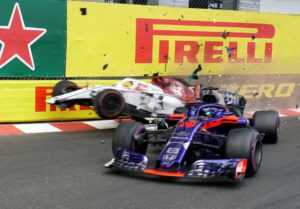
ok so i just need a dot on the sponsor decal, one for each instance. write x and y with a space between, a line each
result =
173 150
16 40
195 52
169 157
266 90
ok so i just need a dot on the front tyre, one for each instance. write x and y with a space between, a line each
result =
109 103
267 123
63 87
131 136
245 143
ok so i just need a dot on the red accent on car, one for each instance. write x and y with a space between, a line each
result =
164 173
187 124
231 119
212 124
175 88
176 116
240 168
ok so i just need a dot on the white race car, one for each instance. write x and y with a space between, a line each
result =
128 97
141 99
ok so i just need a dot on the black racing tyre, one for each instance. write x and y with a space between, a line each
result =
245 143
109 103
131 136
267 122
63 87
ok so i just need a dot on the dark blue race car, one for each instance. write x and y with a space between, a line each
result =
204 141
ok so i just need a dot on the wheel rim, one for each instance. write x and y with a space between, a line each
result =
112 103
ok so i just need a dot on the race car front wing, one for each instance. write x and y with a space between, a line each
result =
206 169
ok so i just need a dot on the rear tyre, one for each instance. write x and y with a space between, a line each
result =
245 143
131 136
267 122
109 103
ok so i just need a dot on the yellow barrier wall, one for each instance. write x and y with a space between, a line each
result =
130 40
24 101
122 40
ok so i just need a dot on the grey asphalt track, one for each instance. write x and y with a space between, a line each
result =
65 171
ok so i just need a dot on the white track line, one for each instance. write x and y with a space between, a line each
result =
37 128
102 124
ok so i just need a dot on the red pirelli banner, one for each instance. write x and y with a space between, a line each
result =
191 50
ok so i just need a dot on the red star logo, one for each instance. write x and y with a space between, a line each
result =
16 40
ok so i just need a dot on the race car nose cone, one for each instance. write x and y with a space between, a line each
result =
50 101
